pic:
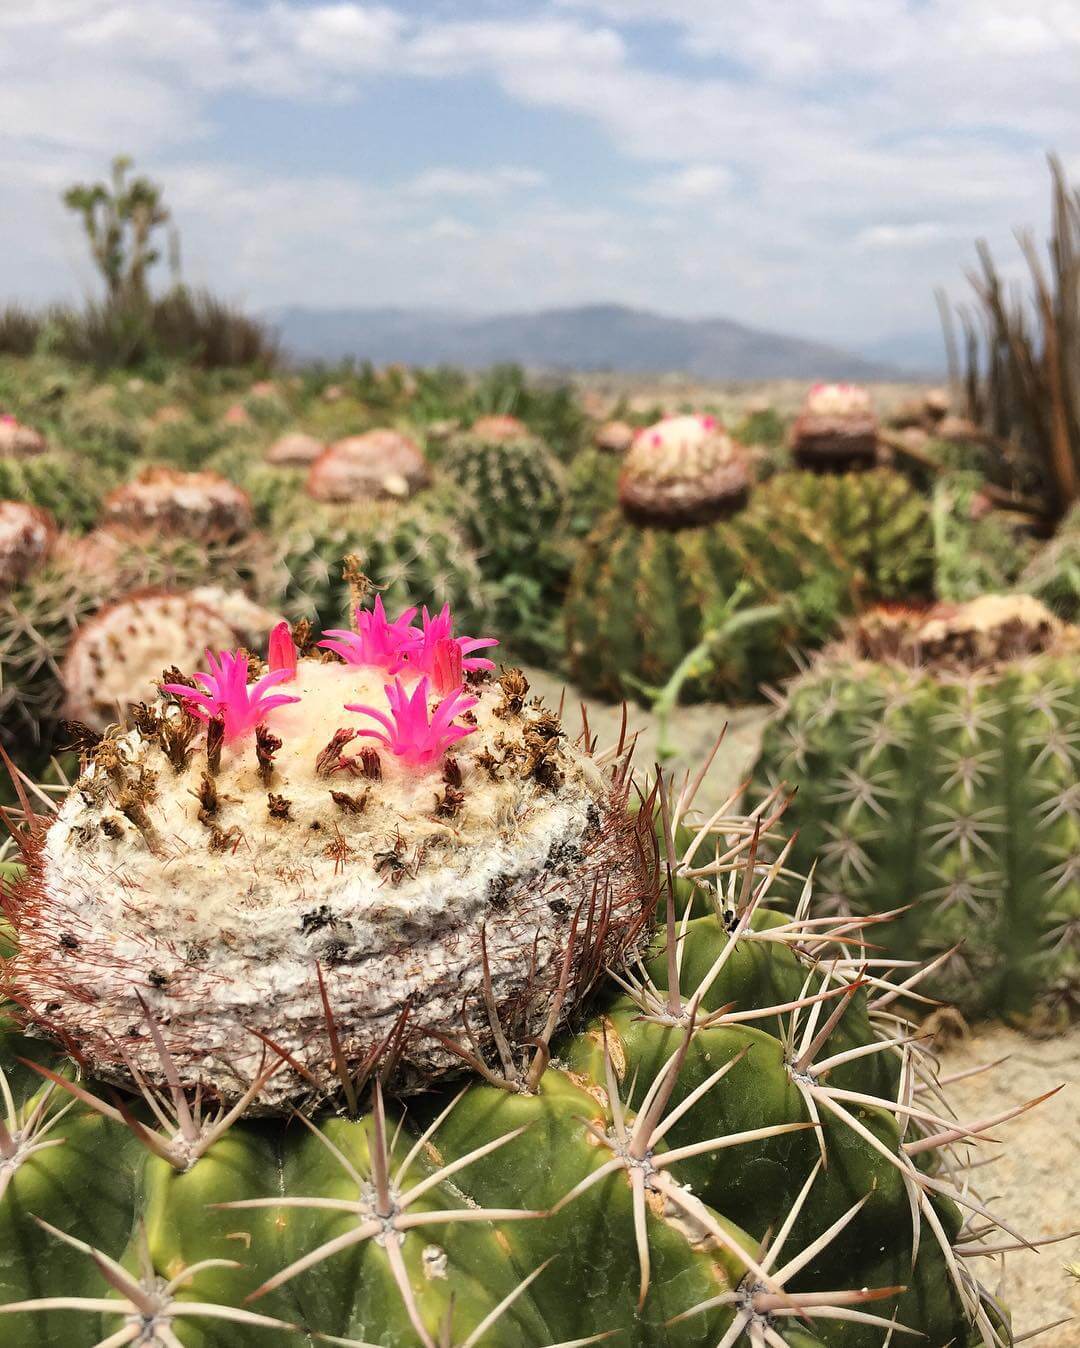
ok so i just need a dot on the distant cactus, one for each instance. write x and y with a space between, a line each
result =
163 501
1053 574
70 488
376 466
26 535
836 429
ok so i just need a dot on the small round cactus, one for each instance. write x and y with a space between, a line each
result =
115 659
681 472
18 441
836 430
376 466
614 437
27 533
164 501
295 448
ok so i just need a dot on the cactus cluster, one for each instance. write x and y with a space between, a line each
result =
936 760
387 870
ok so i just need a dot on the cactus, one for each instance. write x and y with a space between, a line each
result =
39 618
69 488
681 472
977 549
113 661
879 522
18 441
509 494
1053 574
835 430
936 759
26 536
733 1140
164 501
380 465
413 556
592 488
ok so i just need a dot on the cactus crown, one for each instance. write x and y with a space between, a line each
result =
975 635
838 400
683 471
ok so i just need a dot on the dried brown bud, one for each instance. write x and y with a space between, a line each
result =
266 746
331 760
515 689
215 738
449 803
451 771
207 796
349 804
278 806
177 733
370 763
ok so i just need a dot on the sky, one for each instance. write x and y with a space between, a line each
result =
810 166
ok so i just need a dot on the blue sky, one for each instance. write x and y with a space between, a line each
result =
815 167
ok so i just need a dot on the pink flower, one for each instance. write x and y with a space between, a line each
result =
415 737
282 652
376 641
430 656
227 694
447 668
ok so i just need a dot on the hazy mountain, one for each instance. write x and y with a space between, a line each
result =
589 337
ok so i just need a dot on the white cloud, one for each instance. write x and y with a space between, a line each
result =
454 182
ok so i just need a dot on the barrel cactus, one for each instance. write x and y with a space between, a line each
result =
27 533
877 519
720 1131
644 590
69 488
936 759
380 465
508 495
836 429
39 618
413 556
164 501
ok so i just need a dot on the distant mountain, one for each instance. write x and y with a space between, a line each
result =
915 354
589 337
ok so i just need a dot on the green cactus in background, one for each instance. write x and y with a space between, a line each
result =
1053 574
508 498
592 488
977 550
71 488
877 520
39 618
276 491
737 1142
412 555
951 787
641 599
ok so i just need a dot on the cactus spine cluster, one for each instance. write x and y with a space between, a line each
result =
734 1140
936 763
509 495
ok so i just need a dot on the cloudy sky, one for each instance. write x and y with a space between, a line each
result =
815 166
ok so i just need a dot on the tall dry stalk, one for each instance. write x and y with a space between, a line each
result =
1019 371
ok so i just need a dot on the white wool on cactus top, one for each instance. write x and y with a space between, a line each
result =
216 891
837 400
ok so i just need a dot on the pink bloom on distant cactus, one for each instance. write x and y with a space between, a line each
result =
709 423
415 737
227 694
439 630
282 652
7 419
376 641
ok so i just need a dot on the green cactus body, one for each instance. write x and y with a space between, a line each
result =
1053 574
657 1173
592 488
640 599
954 792
71 489
877 519
509 497
413 555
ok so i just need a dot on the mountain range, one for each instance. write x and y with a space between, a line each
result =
585 338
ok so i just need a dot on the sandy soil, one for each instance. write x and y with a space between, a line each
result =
1034 1181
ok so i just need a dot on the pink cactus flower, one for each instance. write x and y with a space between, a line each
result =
377 641
409 732
227 694
282 652
436 632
